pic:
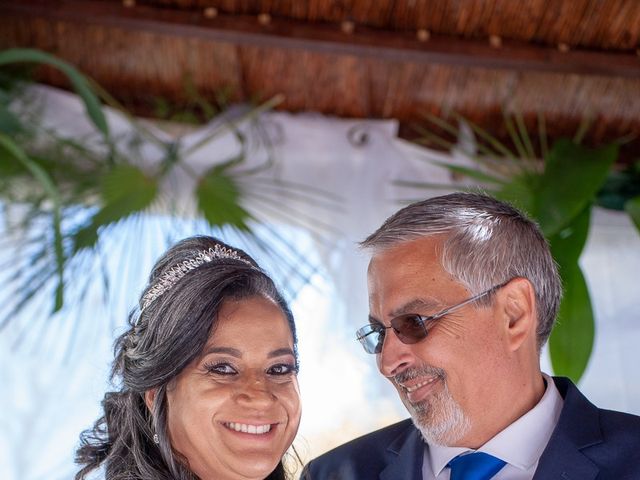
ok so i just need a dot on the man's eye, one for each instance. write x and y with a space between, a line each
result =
415 320
378 329
220 369
282 369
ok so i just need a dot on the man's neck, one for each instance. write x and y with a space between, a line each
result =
519 402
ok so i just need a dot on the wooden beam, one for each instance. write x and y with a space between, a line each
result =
330 38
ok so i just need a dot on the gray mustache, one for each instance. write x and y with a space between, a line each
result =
411 373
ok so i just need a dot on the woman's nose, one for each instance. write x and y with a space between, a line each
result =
255 391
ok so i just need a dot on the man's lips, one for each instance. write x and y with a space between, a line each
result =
418 389
410 387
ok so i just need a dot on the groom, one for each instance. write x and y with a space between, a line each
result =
463 294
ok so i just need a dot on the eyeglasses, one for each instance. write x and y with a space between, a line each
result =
410 328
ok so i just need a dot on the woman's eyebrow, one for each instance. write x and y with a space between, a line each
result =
281 351
234 352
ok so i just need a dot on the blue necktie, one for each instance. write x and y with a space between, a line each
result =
475 466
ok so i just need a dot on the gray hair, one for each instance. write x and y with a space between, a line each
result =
166 336
486 242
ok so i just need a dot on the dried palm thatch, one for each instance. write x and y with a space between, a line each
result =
568 61
579 23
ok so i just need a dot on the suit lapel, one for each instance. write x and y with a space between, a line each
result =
578 428
407 453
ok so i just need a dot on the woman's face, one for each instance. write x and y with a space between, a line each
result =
235 410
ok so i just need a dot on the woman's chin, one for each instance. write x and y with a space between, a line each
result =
241 469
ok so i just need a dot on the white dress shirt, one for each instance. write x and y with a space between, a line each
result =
520 444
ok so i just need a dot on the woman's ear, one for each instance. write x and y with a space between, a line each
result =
520 312
149 398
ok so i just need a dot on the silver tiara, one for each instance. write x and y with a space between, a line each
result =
169 279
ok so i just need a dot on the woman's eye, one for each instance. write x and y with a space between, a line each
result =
282 369
221 369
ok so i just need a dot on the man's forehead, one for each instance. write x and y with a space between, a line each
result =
425 245
408 277
406 257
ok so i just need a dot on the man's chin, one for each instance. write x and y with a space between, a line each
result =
439 426
439 435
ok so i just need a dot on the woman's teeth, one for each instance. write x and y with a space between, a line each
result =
246 428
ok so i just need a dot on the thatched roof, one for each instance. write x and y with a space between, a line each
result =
566 59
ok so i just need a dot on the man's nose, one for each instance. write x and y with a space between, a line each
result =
395 356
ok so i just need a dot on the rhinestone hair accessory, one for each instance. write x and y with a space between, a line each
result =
169 279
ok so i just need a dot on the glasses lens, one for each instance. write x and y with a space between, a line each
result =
370 338
410 328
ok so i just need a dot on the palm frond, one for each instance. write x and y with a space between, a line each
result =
524 135
514 135
113 212
585 124
559 193
542 135
53 195
78 81
500 148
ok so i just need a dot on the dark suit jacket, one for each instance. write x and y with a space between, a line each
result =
587 444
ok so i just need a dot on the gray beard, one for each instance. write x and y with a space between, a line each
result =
439 418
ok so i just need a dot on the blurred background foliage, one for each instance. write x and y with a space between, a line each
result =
558 185
61 195
70 190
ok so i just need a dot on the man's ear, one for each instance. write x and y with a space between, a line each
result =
519 307
149 398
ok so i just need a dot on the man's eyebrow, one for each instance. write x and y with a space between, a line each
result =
416 306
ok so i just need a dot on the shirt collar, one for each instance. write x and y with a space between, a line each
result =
520 444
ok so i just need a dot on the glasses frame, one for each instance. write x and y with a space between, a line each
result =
362 334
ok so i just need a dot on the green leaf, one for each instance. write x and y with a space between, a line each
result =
9 123
524 135
583 128
632 207
572 176
78 81
430 137
125 190
498 146
619 187
8 164
432 186
441 123
571 341
131 183
514 135
471 173
542 135
519 191
568 243
219 200
52 192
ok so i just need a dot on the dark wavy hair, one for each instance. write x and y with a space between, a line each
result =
162 339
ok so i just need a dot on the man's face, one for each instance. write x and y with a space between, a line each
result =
450 381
